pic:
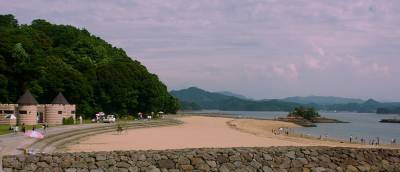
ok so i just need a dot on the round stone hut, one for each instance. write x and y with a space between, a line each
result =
27 109
59 109
29 112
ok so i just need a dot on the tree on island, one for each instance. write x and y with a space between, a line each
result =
306 113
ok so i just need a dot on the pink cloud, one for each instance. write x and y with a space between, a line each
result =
312 63
289 71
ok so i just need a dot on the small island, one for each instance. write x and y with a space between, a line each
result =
394 120
307 117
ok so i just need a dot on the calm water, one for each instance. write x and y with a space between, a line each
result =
364 125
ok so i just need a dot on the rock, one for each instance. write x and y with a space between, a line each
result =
42 164
122 170
187 167
7 170
70 170
291 155
240 170
256 164
203 167
97 170
237 163
123 165
307 152
318 169
47 170
339 169
112 169
133 169
166 163
364 168
306 170
285 165
101 157
30 167
212 164
142 157
302 160
79 170
196 161
102 164
222 159
153 169
234 158
351 168
267 169
183 161
267 157
223 168
296 164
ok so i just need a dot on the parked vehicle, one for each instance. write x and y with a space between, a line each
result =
109 119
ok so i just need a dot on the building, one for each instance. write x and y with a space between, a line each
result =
29 112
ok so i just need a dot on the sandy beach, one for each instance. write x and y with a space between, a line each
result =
200 132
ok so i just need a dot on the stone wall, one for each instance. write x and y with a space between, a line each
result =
227 159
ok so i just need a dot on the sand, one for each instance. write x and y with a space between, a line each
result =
200 132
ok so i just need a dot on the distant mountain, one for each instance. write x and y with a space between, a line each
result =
194 98
369 106
228 93
210 100
322 100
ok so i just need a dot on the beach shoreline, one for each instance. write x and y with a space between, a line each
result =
200 131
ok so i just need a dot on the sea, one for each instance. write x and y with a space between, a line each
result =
361 125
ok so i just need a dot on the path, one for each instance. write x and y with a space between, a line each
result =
12 144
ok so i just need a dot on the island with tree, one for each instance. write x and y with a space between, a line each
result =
307 117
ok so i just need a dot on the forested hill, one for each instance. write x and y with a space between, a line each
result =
194 98
322 100
47 58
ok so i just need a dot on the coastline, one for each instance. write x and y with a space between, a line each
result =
204 131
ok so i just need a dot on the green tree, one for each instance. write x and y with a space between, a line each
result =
306 113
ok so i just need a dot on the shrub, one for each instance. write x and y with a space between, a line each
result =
68 121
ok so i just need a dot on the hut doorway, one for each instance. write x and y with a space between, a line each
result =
40 117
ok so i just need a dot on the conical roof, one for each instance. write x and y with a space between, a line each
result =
27 99
60 99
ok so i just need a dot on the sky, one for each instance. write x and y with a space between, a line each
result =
258 48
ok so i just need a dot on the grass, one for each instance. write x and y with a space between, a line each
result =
5 129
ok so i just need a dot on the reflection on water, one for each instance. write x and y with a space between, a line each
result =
362 125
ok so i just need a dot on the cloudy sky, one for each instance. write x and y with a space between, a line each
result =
258 48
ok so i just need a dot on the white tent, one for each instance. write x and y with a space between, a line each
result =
11 116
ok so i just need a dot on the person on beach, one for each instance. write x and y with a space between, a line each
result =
23 127
44 126
15 130
351 138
